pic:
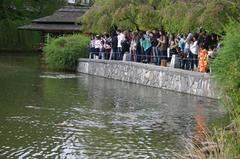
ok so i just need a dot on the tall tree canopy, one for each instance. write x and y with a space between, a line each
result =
14 13
27 9
174 15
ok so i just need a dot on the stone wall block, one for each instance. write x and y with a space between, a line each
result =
161 77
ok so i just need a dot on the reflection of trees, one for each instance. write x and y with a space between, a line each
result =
63 93
18 82
200 124
20 88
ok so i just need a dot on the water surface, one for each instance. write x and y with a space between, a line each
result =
66 115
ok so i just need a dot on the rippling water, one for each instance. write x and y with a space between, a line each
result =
59 115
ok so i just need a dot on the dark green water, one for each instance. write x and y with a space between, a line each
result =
59 115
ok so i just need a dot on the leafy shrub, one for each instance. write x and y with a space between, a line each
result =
62 53
226 69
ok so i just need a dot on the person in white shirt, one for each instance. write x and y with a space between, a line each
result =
92 47
187 43
186 51
194 48
121 38
98 45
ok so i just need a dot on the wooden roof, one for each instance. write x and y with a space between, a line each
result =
63 20
63 15
52 27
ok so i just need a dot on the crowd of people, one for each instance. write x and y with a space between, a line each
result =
191 52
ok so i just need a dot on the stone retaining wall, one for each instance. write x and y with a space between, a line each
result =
146 74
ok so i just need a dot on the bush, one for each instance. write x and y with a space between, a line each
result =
226 69
62 53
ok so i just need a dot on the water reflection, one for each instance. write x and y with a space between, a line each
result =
200 127
57 115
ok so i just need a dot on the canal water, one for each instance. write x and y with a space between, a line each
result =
66 115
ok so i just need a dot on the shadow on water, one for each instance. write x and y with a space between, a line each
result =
59 115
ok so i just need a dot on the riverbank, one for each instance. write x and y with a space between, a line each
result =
193 83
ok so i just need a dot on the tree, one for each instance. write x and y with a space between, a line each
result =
174 15
15 13
215 14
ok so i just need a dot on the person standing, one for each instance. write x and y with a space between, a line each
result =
181 43
163 45
147 46
98 46
202 38
203 60
125 44
121 38
114 45
194 52
154 41
102 54
107 45
138 48
187 52
133 47
92 47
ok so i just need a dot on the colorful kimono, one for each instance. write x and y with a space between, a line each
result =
203 61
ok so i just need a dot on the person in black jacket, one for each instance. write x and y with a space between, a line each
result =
114 44
126 44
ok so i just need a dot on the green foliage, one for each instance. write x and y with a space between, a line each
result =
15 13
62 53
175 16
226 69
11 38
173 19
215 14
227 65
27 9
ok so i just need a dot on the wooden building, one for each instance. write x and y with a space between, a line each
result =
63 21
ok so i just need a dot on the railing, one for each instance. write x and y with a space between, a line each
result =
186 63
